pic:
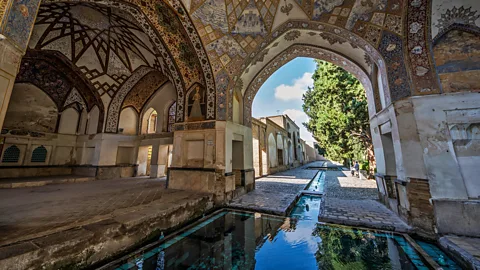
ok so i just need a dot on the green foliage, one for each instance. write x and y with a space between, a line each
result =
365 165
344 249
337 108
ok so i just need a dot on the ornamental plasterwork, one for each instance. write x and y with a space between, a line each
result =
113 112
447 13
74 97
171 45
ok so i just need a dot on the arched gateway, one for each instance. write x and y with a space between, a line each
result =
108 65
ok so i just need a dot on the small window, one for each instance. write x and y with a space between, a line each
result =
11 155
39 154
171 116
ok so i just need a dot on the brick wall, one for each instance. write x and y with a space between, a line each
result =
421 214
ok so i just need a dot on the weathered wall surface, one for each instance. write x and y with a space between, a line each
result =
436 117
457 58
31 109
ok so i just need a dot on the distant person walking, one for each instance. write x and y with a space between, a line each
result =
357 168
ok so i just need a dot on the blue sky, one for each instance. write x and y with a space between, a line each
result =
282 93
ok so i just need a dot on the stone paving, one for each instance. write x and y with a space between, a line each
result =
352 201
466 249
73 226
30 212
275 194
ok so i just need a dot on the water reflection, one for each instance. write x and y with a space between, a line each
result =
238 240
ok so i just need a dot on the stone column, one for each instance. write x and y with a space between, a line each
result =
159 161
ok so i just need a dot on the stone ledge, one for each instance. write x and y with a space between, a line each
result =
43 181
95 242
461 255
362 224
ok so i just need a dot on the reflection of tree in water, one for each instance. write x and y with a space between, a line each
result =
346 249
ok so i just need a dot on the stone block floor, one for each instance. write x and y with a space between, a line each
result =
352 201
37 211
275 194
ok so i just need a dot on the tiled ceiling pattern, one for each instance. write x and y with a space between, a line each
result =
232 30
105 44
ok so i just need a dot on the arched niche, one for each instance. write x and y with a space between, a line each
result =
64 83
279 141
170 116
149 121
92 123
31 109
161 100
128 121
68 121
272 151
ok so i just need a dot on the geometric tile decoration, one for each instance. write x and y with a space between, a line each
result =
104 43
19 21
419 60
3 9
391 47
115 106
138 96
213 42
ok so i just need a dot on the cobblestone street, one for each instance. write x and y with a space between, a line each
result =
352 201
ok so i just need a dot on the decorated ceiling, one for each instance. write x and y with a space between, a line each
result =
105 44
232 31
222 45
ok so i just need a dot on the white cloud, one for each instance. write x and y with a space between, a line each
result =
296 90
299 117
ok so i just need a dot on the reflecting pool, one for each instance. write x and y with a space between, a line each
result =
242 240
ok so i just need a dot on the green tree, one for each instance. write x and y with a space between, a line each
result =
337 108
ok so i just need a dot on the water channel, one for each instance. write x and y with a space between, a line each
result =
231 239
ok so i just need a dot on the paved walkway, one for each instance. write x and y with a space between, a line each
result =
75 225
275 194
29 212
351 201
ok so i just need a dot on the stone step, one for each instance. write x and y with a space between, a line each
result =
24 182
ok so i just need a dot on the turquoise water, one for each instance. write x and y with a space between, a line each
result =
242 240
318 182
438 256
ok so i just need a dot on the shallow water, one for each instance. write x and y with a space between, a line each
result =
241 240
318 182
